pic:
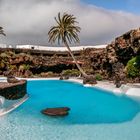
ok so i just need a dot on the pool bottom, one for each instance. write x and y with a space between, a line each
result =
94 115
14 130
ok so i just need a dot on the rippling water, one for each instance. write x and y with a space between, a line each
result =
95 114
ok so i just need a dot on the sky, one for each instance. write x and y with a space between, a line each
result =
131 6
28 21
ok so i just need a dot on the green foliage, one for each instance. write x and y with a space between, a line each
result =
66 29
98 77
66 72
2 65
12 67
73 72
133 67
22 54
24 67
3 55
2 31
47 74
11 53
0 72
50 74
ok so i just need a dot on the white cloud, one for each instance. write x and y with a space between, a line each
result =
28 21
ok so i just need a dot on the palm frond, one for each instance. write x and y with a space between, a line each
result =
2 31
66 29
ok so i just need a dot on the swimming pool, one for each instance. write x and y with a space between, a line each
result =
95 114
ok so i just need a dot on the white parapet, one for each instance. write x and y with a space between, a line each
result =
48 48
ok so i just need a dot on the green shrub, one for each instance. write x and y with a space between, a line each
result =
66 72
50 74
3 55
11 53
24 67
12 67
2 65
73 72
98 77
133 67
47 74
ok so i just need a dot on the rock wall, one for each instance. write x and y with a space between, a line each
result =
28 65
105 61
116 55
13 91
124 47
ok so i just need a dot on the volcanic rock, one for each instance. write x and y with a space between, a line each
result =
11 79
61 111
89 80
13 91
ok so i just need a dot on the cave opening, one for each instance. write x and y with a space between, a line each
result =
55 68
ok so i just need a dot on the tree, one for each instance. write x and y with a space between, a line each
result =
66 31
2 31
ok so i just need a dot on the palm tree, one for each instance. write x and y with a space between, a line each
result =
66 31
2 31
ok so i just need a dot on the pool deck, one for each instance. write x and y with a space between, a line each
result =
132 90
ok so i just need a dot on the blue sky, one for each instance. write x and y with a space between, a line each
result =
132 6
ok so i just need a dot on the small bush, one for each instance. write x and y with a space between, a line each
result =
73 72
27 67
98 77
133 67
24 67
12 67
2 65
3 55
50 74
11 53
66 72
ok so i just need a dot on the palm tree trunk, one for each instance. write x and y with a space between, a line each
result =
78 66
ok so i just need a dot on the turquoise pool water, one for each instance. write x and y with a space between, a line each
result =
95 114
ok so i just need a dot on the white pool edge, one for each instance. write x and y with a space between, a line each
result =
110 88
